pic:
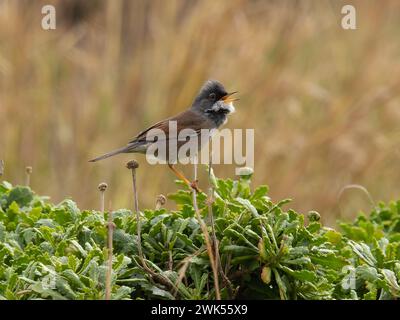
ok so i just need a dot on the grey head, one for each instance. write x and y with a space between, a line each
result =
214 102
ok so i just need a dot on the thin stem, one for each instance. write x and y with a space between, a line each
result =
135 193
110 234
210 201
358 187
28 171
110 231
1 167
102 199
206 236
182 270
139 231
133 165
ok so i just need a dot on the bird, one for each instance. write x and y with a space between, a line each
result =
209 110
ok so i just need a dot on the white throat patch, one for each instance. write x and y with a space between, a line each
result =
220 105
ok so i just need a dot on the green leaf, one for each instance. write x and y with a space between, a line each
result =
239 250
21 195
367 273
363 252
79 248
161 293
121 293
247 204
329 260
333 236
73 279
259 192
46 292
390 278
281 285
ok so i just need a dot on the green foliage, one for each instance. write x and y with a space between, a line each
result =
265 252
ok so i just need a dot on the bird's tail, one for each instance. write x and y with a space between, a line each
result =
110 154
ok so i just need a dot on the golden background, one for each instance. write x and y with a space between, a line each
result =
324 101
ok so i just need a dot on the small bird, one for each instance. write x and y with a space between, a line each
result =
209 110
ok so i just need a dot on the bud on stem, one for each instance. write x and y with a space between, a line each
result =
133 165
161 200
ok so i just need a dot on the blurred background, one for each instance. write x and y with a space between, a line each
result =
324 101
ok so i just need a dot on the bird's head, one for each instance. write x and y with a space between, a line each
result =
214 101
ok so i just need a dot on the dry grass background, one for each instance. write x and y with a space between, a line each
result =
324 102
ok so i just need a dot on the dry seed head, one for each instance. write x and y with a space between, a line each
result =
28 170
132 164
313 216
245 173
102 186
161 199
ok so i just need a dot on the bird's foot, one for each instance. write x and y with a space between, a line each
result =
194 185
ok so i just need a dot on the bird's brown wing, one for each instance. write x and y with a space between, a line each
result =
186 120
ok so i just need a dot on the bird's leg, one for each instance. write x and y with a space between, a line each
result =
194 185
180 175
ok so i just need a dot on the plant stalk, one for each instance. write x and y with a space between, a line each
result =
28 171
110 234
110 231
133 165
206 237
1 167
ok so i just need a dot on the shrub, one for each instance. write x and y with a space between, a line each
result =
264 251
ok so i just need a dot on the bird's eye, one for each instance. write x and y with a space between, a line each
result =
212 96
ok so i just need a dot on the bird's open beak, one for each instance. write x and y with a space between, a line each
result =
227 98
